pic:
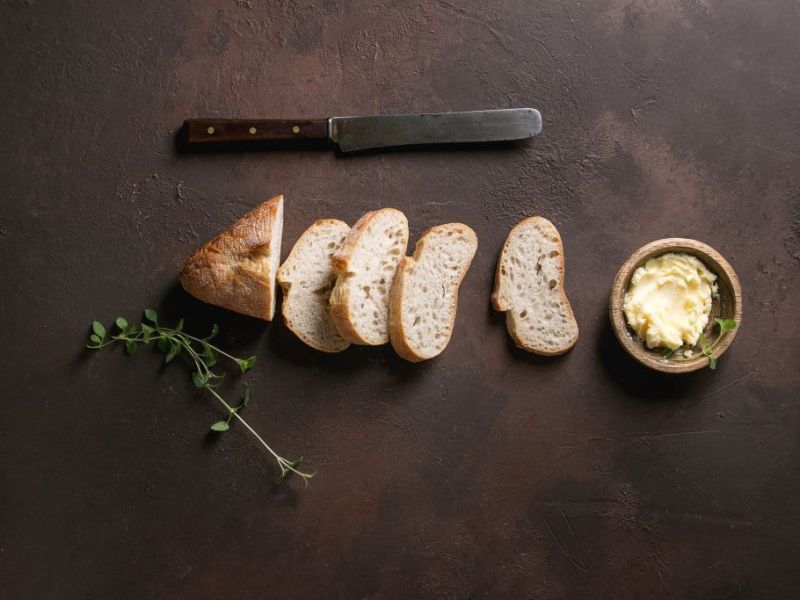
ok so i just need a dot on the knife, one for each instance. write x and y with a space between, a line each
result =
351 134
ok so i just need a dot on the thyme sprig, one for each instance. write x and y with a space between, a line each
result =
202 356
708 348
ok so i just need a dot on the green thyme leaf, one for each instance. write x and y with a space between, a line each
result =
174 348
246 364
220 426
131 348
726 324
151 315
98 329
199 379
121 323
210 355
708 349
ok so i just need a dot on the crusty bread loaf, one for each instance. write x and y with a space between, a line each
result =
424 296
236 270
307 278
365 266
529 286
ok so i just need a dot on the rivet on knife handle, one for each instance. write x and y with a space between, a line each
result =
202 131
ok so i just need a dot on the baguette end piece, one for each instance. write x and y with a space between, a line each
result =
236 270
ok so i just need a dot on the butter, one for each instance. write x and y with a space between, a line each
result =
669 300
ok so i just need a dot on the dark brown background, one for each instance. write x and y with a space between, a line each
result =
484 473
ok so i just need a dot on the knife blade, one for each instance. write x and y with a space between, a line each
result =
352 134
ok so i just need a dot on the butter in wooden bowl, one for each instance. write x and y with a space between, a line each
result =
676 305
668 301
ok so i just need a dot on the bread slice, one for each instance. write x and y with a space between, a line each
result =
529 286
365 265
307 278
424 297
236 270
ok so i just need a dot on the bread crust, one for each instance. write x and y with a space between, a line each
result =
340 302
500 303
221 272
288 297
397 334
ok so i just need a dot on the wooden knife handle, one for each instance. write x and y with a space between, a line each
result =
204 131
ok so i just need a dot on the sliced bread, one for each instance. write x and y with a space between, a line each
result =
529 287
236 270
424 296
365 266
307 278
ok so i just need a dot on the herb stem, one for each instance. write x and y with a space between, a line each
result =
171 341
201 366
194 339
227 406
282 462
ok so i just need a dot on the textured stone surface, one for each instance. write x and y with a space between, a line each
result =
487 472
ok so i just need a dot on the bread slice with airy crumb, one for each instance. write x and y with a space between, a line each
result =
236 270
307 279
424 297
529 287
365 266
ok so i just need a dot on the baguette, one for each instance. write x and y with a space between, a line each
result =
365 266
236 270
424 297
307 278
529 287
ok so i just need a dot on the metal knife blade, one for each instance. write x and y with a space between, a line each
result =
363 133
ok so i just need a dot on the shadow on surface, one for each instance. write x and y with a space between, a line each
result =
284 343
498 319
235 329
182 146
634 378
83 354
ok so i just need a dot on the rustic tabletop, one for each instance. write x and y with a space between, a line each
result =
487 472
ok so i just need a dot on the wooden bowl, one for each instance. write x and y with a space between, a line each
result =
727 305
